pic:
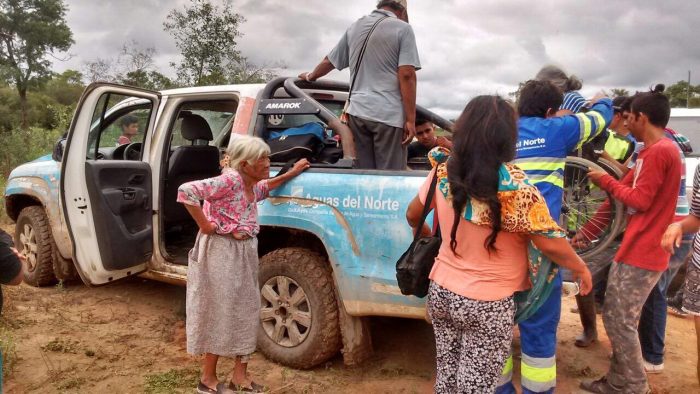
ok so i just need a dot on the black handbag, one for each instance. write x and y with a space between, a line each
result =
293 147
414 265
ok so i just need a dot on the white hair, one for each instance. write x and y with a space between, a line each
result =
245 148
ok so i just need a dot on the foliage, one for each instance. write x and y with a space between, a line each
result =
30 31
137 68
619 92
152 80
99 70
66 88
678 95
8 348
244 71
134 66
206 36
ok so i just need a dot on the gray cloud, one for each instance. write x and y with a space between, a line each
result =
466 47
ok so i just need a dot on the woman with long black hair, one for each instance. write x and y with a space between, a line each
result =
488 214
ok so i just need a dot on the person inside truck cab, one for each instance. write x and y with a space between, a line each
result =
426 139
380 50
130 127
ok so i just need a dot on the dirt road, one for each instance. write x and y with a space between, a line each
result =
128 338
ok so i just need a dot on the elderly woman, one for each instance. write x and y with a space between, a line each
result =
568 85
223 296
488 215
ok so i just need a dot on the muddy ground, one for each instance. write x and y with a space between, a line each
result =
128 338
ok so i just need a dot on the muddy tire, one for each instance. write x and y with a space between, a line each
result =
33 238
63 268
299 316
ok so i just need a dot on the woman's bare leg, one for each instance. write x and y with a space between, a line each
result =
239 375
209 362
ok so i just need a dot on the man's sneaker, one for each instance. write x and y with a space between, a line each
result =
653 368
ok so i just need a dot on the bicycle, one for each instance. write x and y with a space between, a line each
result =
590 215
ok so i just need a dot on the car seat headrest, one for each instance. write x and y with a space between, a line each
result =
194 127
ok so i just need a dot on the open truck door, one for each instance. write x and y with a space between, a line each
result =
106 184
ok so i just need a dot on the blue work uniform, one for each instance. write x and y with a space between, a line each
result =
543 144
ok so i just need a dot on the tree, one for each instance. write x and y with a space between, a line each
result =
65 88
137 68
206 36
619 92
30 31
134 58
678 95
99 69
152 80
244 71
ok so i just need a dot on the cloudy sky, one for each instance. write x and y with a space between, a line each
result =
466 47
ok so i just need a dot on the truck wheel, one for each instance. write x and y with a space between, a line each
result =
299 316
33 238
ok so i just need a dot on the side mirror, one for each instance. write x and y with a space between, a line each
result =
58 149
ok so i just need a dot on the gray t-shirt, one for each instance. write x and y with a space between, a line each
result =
376 95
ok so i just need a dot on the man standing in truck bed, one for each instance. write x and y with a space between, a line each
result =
382 110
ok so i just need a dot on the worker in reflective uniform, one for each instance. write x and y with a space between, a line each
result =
544 141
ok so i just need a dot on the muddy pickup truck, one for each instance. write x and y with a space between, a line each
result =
329 239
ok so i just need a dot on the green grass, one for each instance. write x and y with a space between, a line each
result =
9 351
168 382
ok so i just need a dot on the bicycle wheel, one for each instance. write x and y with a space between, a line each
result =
590 216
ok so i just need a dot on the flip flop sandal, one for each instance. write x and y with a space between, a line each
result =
204 389
221 388
254 388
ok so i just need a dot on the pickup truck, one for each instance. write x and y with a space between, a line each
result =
329 239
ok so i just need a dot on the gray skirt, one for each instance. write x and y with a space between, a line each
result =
223 296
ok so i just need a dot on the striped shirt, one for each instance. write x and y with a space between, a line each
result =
695 211
573 101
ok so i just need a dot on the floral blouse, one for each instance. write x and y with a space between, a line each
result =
225 203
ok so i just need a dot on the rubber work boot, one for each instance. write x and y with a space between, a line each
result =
586 311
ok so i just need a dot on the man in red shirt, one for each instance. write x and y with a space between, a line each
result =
649 191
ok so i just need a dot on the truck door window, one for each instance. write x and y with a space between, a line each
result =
117 120
217 114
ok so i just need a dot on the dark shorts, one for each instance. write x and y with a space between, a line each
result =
691 290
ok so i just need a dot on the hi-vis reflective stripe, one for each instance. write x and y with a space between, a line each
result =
554 167
591 124
585 126
538 374
540 164
507 373
554 178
